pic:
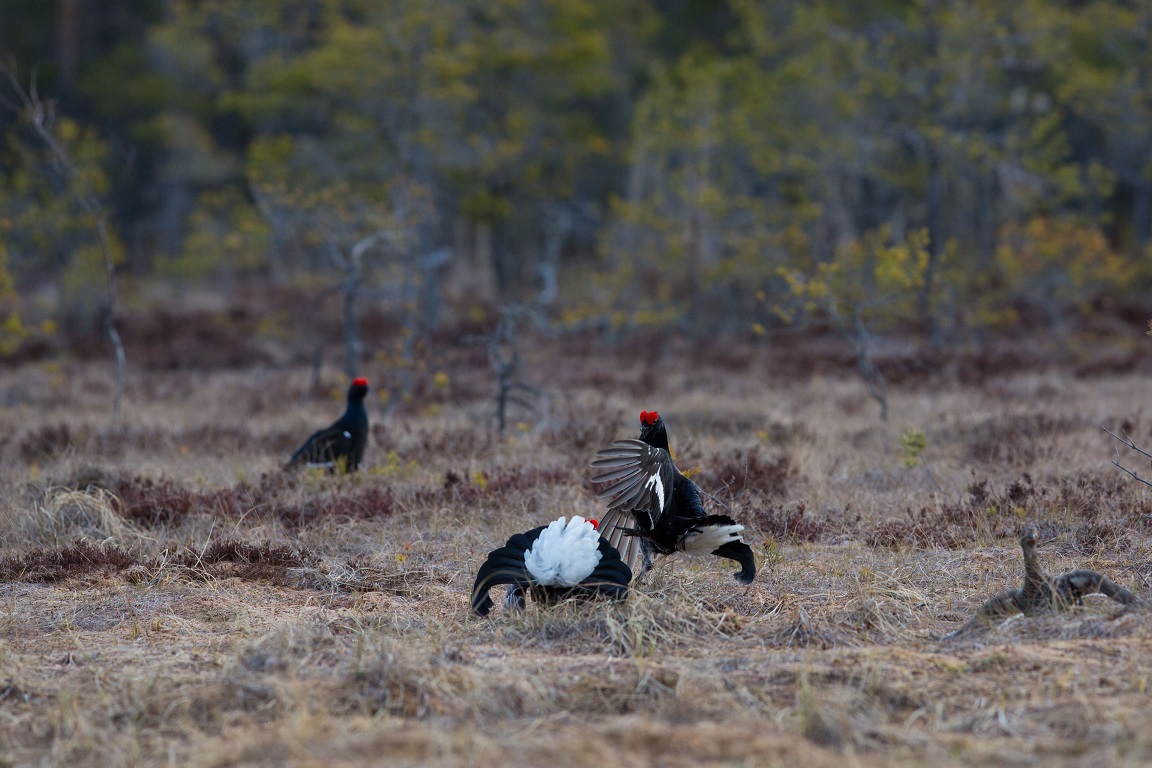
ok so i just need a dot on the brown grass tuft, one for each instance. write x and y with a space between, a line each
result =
789 523
48 566
746 470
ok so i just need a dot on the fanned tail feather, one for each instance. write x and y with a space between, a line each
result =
608 578
613 527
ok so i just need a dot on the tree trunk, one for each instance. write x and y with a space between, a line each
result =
1142 214
431 300
68 44
351 331
925 301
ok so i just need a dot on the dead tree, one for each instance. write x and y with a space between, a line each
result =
857 334
558 223
504 358
432 266
1041 592
294 224
39 116
351 264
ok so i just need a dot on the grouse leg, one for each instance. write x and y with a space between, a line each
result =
514 598
645 560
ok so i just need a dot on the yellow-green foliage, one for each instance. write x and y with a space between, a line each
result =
226 236
1058 262
914 442
48 212
710 154
393 467
874 275
12 330
45 222
406 365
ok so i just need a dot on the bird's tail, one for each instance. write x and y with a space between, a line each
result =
709 534
565 553
741 553
506 565
719 535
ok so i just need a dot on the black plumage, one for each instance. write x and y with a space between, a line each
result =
653 507
506 565
340 446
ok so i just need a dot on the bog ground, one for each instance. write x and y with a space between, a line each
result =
168 596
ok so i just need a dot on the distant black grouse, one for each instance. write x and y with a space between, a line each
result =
340 446
651 506
566 558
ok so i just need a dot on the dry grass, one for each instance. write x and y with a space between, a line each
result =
168 597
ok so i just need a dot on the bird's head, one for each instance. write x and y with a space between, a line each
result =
1028 537
358 389
652 430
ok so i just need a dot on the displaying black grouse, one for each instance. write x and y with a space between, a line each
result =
651 506
566 558
340 446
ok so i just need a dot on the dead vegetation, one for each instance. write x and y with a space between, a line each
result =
168 597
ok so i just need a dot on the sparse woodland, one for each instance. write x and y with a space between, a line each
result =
883 268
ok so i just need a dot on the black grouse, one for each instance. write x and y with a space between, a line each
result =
340 446
652 506
566 558
1042 592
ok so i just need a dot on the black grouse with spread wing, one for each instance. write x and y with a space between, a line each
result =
653 507
567 558
340 446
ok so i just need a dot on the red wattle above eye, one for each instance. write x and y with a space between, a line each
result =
595 523
644 417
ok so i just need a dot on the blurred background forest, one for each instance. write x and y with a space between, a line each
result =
947 171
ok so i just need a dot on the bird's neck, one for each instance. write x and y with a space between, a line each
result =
658 439
1033 571
356 410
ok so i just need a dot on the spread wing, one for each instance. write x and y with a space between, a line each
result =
324 448
636 481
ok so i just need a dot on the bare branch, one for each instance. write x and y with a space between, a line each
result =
716 499
1127 441
362 246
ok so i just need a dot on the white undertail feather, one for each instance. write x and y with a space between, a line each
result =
710 538
565 554
655 484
